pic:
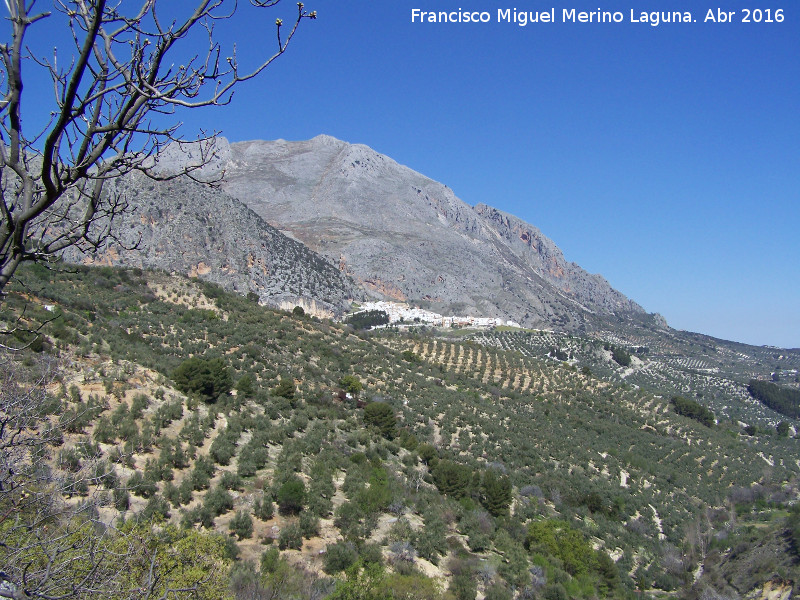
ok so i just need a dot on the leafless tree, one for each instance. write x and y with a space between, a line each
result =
132 66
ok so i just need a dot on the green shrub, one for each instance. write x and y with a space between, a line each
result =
621 356
693 410
309 524
285 389
783 400
245 387
290 537
463 587
351 384
142 486
427 453
497 591
231 481
381 415
367 319
263 508
291 496
452 478
431 541
218 501
157 508
206 377
242 525
223 448
122 499
269 560
339 557
496 493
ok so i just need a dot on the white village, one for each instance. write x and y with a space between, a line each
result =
403 315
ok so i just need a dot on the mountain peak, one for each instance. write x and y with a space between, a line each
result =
327 140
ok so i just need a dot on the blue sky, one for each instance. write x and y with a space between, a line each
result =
665 158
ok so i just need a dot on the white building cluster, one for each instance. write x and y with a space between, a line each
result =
412 314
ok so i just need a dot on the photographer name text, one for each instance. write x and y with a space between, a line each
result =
572 15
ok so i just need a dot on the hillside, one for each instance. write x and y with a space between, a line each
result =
669 362
390 449
197 230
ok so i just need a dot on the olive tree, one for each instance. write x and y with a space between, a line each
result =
54 541
116 92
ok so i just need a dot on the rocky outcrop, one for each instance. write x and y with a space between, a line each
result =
185 227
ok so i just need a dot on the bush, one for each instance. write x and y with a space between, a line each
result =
290 537
309 525
269 560
263 509
621 356
157 509
371 554
285 389
693 410
339 557
291 496
555 591
223 448
242 525
122 499
783 400
431 542
206 377
142 486
351 384
198 478
427 453
218 501
245 387
231 481
497 591
559 539
496 493
463 587
367 319
452 479
381 415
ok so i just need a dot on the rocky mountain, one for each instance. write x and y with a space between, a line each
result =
185 227
362 226
402 236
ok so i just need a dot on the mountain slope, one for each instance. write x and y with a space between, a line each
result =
403 236
183 226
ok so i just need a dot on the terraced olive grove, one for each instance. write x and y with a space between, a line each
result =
443 474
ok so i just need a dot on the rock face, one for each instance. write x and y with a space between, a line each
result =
403 236
183 226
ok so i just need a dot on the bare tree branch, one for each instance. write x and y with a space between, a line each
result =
132 67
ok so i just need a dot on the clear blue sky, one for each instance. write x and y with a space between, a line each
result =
665 158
